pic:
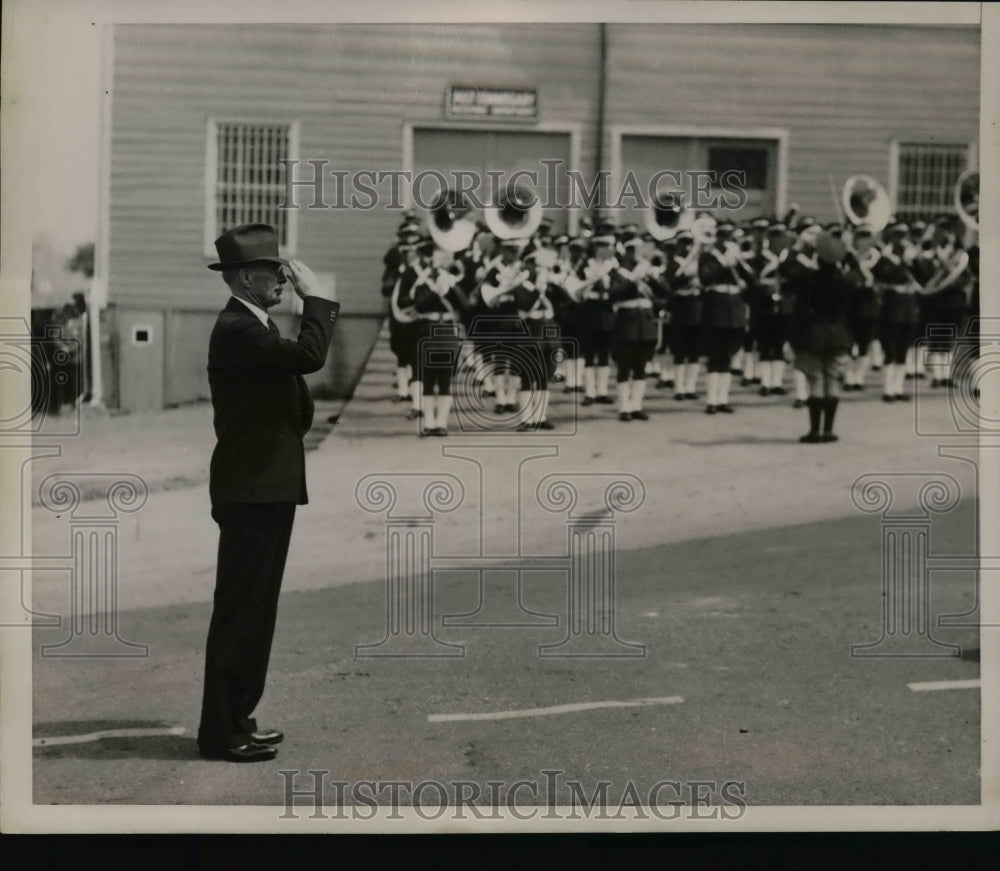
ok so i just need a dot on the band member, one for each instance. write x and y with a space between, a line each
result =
899 313
393 264
437 304
859 264
822 337
567 310
724 314
752 242
476 261
945 296
597 318
534 360
684 304
503 324
664 363
770 309
800 263
635 296
402 313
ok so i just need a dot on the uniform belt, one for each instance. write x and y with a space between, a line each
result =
731 289
534 316
437 316
902 289
692 292
632 303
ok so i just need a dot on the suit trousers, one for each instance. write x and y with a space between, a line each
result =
253 546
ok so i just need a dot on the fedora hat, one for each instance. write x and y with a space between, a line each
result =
248 243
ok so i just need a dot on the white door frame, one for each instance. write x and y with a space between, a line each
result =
573 129
692 131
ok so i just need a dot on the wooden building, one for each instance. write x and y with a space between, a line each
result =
201 114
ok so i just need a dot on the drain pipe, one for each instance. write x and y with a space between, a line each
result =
602 82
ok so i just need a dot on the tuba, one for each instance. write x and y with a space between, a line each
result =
516 215
967 198
449 225
667 216
866 202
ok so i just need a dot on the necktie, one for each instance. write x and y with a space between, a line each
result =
273 327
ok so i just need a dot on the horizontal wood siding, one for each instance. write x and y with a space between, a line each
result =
842 92
351 88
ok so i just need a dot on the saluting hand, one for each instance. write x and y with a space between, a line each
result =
306 283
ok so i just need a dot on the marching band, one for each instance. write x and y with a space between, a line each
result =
522 308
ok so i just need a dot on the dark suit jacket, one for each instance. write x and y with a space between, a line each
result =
261 402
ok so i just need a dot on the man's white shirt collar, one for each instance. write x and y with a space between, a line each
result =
256 309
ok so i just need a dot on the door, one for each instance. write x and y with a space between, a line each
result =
757 159
508 151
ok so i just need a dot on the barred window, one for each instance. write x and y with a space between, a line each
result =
246 181
925 178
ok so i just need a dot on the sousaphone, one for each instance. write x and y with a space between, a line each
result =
866 202
667 216
516 214
967 198
449 223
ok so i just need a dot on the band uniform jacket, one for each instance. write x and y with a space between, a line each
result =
635 316
722 300
893 277
261 403
684 298
864 302
595 312
820 320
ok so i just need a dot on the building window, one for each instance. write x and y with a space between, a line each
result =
246 181
750 161
925 178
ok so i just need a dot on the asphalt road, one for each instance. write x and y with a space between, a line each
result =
753 631
742 579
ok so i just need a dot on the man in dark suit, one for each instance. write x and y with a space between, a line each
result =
262 410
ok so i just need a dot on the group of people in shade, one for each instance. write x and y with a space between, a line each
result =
743 300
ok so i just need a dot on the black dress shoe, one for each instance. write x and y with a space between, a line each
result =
251 752
710 409
764 391
902 397
690 395
604 399
778 391
799 403
725 408
587 400
680 396
546 424
640 415
828 437
624 417
888 397
811 438
267 736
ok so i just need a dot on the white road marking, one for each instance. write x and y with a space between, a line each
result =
106 733
556 709
945 685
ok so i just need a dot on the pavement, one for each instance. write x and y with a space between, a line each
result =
742 569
